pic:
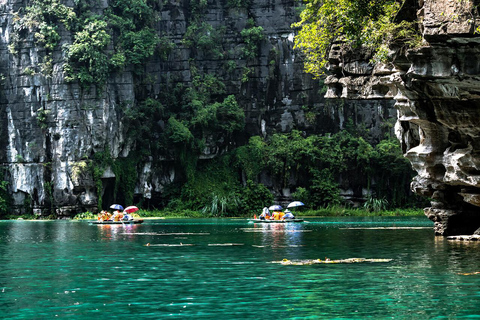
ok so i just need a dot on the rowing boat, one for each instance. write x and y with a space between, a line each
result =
118 222
276 221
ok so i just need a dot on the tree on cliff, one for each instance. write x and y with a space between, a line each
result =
370 23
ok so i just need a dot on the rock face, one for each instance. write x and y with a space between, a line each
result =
51 128
436 90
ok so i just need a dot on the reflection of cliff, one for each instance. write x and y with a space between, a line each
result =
436 89
52 129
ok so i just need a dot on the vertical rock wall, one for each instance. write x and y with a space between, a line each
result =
436 89
51 129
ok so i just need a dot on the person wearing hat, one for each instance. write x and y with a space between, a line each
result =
288 215
265 214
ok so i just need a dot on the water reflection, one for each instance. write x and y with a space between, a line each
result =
278 235
113 232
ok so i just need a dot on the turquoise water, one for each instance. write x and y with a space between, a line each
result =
223 269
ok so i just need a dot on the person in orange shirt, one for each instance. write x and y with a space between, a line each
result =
278 215
265 214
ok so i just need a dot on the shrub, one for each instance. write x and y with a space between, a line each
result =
4 198
85 216
255 197
221 206
370 23
252 36
87 61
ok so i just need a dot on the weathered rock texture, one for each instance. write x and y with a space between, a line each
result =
437 92
50 128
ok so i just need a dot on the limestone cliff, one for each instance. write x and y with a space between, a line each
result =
51 128
436 93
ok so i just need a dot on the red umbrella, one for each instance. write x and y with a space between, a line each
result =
131 209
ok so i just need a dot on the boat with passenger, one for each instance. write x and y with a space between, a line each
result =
135 221
275 214
118 217
276 221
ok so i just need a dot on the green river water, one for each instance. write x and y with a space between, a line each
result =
223 269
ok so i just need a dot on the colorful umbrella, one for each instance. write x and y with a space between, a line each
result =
275 207
116 206
131 209
295 204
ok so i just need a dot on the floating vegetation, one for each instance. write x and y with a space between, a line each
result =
387 228
469 273
287 262
169 245
289 246
166 234
278 246
272 230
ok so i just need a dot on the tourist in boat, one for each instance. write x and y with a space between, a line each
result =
288 215
265 214
278 215
117 216
104 216
127 216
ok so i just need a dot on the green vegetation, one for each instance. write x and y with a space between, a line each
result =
319 162
336 211
370 23
42 117
42 18
238 3
203 37
126 25
132 23
212 189
187 117
125 170
85 216
228 185
340 211
252 35
4 198
87 61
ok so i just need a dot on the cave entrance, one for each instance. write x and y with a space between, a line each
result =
108 194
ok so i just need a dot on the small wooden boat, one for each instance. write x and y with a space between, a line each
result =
135 221
276 221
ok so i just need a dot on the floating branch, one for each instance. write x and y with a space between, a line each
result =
287 262
388 228
167 234
469 273
270 230
169 245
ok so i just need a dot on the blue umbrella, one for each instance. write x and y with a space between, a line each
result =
116 206
275 207
295 204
